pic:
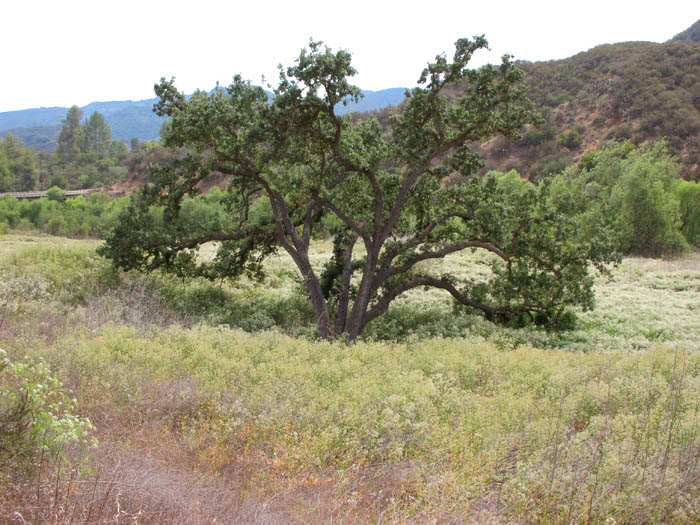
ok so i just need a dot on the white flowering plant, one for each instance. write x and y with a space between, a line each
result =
37 416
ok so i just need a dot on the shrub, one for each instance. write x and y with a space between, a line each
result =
630 190
587 161
533 137
599 121
74 217
570 140
511 182
56 225
556 99
55 194
611 434
688 195
647 213
71 275
36 415
550 165
58 180
622 132
9 210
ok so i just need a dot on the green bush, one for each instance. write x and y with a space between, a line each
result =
647 212
570 140
74 217
56 225
9 211
55 194
533 137
511 182
587 161
688 195
629 190
58 180
71 274
549 165
622 132
36 414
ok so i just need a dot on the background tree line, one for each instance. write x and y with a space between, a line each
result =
79 217
635 191
85 157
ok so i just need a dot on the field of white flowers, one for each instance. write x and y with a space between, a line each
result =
214 401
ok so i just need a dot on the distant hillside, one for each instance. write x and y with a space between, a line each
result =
128 119
42 138
634 90
374 100
40 127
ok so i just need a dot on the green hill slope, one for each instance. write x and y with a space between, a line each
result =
633 90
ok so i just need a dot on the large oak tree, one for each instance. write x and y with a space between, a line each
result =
292 163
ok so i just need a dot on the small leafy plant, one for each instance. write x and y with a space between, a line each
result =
36 414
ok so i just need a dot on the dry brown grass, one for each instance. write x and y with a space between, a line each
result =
147 470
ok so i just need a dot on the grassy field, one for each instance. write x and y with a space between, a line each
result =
214 403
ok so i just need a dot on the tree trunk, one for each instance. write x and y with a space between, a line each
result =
318 301
313 287
320 308
364 295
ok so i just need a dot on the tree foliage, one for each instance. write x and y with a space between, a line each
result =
96 135
18 165
637 192
570 139
71 138
89 216
292 164
6 182
688 195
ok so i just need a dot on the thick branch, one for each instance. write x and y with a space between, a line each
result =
412 179
213 237
414 241
309 221
282 219
350 223
439 254
383 303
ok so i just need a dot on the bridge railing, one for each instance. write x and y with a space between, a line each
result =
39 194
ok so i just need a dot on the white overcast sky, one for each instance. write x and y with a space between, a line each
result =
65 52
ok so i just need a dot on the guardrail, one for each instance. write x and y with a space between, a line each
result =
39 194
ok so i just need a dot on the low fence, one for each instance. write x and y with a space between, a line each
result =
30 195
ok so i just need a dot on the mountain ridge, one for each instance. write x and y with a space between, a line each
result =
135 119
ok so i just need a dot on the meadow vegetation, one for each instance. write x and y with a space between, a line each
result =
149 399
